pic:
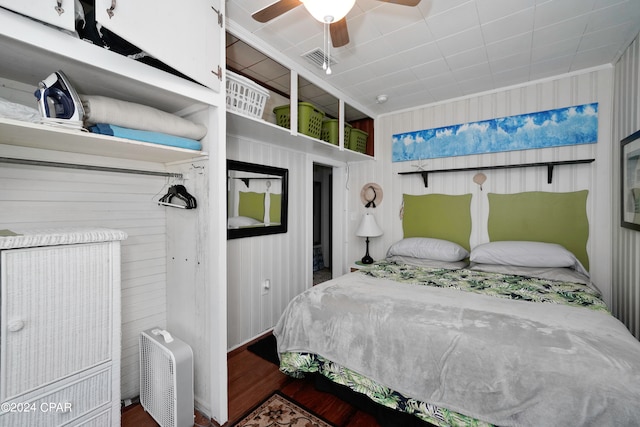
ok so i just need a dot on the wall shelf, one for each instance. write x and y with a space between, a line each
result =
548 165
46 137
269 133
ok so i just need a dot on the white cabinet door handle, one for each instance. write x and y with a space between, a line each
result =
15 325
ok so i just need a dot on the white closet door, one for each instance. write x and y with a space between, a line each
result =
183 35
55 12
56 314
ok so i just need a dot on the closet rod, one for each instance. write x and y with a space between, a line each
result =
86 167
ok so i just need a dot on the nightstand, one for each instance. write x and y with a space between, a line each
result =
357 265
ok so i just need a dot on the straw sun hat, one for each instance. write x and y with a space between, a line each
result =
371 195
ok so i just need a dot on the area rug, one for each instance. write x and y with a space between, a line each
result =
279 410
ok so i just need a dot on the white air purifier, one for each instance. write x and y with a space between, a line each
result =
166 378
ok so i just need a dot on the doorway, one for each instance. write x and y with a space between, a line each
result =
322 222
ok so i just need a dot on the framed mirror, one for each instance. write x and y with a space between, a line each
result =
256 199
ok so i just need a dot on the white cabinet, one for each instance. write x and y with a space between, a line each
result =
60 327
183 36
60 13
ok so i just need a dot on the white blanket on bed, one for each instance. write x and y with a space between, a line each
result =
510 363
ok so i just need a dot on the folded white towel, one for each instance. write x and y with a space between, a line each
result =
102 109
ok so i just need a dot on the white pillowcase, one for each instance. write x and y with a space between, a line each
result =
429 263
428 248
242 221
525 254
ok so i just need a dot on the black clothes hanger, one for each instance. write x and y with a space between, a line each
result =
180 192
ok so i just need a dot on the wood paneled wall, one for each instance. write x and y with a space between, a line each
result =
626 250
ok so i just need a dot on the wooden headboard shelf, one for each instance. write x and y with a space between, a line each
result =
549 165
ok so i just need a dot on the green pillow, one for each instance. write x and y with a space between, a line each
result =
275 208
251 205
542 217
439 216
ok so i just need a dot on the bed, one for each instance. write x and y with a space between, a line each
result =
509 333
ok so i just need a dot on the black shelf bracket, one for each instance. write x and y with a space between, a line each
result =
549 166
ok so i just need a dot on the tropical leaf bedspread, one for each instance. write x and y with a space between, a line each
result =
467 348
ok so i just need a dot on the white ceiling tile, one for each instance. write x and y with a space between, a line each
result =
445 92
519 45
551 67
552 12
444 79
421 54
607 37
411 35
392 17
593 57
509 77
491 10
454 20
563 48
432 68
518 60
507 27
461 42
372 51
474 71
467 58
477 84
436 7
363 29
565 30
610 16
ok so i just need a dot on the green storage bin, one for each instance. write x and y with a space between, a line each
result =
309 119
358 140
330 131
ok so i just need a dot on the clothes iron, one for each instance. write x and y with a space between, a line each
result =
57 99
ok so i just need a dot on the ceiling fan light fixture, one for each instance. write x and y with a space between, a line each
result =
327 11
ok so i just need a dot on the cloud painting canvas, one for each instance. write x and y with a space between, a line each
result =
553 128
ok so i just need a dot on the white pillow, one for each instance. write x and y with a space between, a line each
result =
525 254
429 263
428 248
242 221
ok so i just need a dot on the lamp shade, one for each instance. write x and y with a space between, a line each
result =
328 10
368 227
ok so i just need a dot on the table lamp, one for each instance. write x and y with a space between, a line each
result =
368 228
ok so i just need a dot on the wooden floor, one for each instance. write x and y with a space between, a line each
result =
251 380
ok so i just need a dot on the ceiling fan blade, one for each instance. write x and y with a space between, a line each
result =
274 10
403 2
339 33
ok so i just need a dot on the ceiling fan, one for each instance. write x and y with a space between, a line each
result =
325 11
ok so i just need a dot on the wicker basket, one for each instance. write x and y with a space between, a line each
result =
244 96
358 140
330 131
309 119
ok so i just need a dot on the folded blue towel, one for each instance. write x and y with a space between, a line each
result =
146 136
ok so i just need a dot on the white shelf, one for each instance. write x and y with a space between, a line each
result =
270 133
34 135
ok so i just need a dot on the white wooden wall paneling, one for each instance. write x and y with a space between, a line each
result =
42 196
626 250
281 258
592 86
